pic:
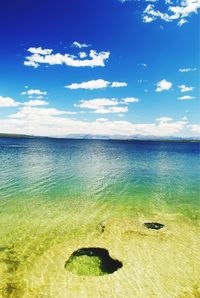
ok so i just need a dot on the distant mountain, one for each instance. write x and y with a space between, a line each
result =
105 137
133 137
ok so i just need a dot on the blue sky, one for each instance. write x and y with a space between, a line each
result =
101 67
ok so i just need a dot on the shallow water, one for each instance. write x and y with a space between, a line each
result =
57 196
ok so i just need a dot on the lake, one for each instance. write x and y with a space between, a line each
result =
60 195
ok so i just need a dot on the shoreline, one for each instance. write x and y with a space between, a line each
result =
175 140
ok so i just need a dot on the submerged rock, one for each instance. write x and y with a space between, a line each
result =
153 225
92 261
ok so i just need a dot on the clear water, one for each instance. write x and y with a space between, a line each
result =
53 194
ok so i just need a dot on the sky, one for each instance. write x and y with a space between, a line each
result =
116 68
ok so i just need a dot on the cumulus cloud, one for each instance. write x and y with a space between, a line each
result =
195 128
163 85
102 120
95 84
6 102
52 122
45 56
109 110
148 19
97 103
34 92
178 13
164 119
82 55
39 96
35 113
127 100
40 51
10 102
187 69
79 45
184 88
107 105
36 102
182 22
186 97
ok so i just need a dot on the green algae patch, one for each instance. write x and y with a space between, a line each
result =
93 261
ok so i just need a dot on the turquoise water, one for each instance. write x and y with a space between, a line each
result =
152 173
54 193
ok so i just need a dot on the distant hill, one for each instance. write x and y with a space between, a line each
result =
8 135
104 137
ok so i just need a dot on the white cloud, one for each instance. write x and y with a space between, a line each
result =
107 105
184 118
174 13
102 120
39 96
95 84
182 22
40 51
82 55
195 128
52 122
36 102
187 69
164 119
6 102
186 8
163 85
30 112
109 110
34 92
119 84
186 97
184 88
148 19
79 45
9 102
127 100
97 103
31 62
94 59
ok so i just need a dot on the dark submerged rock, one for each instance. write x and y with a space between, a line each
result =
107 265
153 225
